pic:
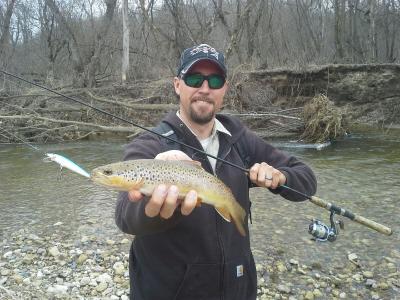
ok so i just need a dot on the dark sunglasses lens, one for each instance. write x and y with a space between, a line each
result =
194 80
216 81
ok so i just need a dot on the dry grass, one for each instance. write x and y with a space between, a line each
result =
323 121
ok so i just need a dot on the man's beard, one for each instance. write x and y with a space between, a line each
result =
201 118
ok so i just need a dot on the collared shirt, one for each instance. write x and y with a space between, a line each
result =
211 143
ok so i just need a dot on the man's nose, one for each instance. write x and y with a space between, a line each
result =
204 87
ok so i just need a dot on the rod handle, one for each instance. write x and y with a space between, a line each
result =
373 225
356 218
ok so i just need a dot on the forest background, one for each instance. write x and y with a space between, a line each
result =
93 43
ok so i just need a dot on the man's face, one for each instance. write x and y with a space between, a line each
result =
199 105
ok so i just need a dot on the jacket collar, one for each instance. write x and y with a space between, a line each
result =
230 126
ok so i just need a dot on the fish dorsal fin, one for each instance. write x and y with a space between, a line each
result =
194 163
224 213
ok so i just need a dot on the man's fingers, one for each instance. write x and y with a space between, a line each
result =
189 203
170 202
135 195
156 201
253 174
267 176
173 155
275 179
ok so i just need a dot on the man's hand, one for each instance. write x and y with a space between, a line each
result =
259 174
164 199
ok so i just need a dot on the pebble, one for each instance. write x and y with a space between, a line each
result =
53 251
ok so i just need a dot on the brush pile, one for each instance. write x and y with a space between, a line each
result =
322 121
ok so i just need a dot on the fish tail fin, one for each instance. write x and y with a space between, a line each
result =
238 215
235 213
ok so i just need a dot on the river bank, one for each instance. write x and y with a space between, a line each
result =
34 266
271 102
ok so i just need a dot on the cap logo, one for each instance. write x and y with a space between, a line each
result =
205 49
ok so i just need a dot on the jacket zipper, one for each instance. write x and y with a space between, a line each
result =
219 236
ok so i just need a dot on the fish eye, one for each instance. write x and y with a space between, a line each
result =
107 172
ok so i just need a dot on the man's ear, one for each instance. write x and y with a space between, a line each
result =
177 83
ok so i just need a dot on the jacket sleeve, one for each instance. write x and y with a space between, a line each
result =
298 175
130 216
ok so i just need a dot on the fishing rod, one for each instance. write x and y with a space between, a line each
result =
319 229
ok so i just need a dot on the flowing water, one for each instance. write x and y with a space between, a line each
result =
361 174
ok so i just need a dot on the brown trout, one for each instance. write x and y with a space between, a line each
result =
145 174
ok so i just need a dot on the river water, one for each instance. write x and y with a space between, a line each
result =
360 174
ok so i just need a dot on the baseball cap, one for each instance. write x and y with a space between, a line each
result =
192 55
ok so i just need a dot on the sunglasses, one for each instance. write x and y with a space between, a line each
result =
215 81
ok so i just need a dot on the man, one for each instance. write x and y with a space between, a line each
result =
183 252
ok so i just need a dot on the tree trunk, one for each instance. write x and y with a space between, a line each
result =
373 48
5 36
125 41
339 53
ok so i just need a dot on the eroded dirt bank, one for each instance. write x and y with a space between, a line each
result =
269 101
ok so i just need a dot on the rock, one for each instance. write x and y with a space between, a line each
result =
53 251
281 267
33 237
81 259
18 278
39 274
119 268
58 224
342 295
358 277
57 289
102 286
309 295
370 283
368 274
105 277
317 293
124 297
293 262
4 272
382 286
84 281
125 241
284 288
7 254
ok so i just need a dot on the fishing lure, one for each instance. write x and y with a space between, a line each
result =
65 163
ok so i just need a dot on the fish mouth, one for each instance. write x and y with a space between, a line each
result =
98 177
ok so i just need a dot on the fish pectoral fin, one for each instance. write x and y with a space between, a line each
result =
224 213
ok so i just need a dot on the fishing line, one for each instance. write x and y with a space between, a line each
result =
57 158
21 140
146 129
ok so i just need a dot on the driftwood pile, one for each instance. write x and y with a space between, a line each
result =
35 116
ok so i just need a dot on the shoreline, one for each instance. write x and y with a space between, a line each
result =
96 267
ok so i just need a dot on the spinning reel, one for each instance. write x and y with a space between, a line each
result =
322 232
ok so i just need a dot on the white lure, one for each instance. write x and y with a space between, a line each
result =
66 163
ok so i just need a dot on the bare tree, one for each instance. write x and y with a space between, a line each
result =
5 33
85 67
371 17
125 43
